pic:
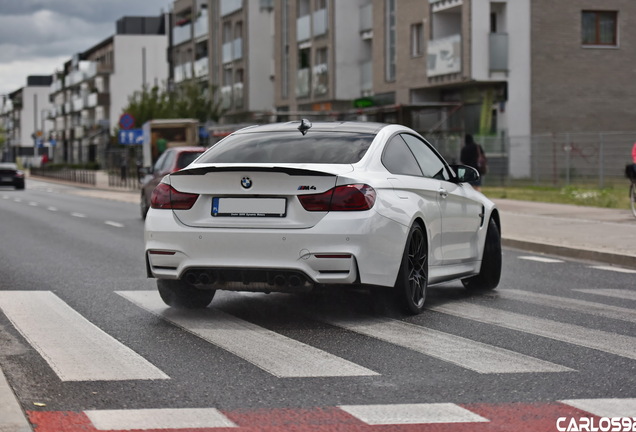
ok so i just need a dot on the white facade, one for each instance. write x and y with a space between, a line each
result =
260 52
33 115
513 20
138 59
349 51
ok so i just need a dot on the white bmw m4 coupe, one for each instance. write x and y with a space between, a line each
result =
293 206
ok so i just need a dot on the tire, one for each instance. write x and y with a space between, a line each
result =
143 205
632 197
490 273
180 294
412 280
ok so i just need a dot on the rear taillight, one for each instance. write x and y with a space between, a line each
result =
19 174
166 197
355 197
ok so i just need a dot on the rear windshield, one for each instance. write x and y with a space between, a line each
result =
290 147
186 158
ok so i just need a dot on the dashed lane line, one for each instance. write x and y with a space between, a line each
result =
114 224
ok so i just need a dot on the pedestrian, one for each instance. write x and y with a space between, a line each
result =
473 155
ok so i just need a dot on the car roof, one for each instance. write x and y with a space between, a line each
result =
342 126
182 149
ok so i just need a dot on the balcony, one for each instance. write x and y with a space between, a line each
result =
321 80
77 103
97 99
302 82
498 59
366 77
237 49
201 68
183 72
320 23
444 56
238 95
366 18
303 28
226 97
201 25
441 5
181 34
227 52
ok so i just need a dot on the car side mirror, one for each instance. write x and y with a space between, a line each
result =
465 174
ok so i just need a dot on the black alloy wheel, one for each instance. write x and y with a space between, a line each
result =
412 278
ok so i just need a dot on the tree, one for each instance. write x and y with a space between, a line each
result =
189 99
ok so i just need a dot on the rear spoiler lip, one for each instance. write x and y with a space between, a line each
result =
286 170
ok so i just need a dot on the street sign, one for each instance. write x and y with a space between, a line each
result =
131 137
126 121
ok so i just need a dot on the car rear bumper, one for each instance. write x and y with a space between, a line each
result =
364 247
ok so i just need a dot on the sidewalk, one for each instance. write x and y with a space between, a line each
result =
587 233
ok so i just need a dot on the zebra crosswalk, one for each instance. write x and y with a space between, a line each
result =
76 350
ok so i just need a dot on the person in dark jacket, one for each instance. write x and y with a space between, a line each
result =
470 156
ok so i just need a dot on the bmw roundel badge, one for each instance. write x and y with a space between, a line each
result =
246 182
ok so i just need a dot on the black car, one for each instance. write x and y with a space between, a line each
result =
10 175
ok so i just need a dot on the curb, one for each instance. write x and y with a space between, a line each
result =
628 261
12 418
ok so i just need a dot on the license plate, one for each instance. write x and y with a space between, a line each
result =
7 179
249 207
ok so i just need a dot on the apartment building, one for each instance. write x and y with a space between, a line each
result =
228 44
23 117
90 90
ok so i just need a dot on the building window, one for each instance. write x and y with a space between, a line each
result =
390 40
417 40
599 28
302 8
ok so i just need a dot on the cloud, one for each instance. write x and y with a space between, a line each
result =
39 36
11 81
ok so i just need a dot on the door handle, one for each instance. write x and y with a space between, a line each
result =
443 193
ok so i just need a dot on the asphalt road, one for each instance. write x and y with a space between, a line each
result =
82 329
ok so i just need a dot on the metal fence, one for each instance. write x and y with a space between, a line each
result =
593 159
70 175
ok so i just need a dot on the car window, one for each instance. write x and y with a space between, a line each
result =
290 147
161 162
399 159
430 163
186 158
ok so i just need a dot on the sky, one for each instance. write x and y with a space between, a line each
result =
38 36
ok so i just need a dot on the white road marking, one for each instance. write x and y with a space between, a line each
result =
615 293
76 349
33 204
621 345
605 407
17 200
540 259
114 224
169 418
78 215
463 352
5 196
412 414
53 209
582 306
614 269
279 355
